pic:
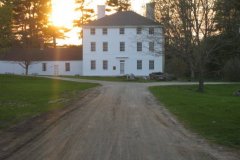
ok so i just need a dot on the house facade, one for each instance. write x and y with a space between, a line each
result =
122 43
119 44
50 61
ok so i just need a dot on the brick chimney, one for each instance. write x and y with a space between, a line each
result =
150 11
100 11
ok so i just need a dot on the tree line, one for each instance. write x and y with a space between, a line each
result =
202 38
25 23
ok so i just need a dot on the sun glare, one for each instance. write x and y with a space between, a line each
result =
64 13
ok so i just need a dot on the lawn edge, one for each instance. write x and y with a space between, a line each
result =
10 139
184 128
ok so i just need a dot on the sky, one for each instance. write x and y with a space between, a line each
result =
63 14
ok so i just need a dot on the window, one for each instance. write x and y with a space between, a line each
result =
139 30
105 31
151 65
151 46
105 46
67 67
139 64
93 46
105 65
121 31
122 46
151 30
139 46
44 67
114 68
92 31
93 65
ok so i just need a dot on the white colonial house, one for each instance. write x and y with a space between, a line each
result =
49 61
119 44
122 43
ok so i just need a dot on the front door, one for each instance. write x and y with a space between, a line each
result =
122 67
56 70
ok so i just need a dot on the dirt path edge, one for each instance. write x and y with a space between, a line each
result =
17 136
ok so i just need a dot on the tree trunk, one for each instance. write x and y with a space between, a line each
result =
201 85
192 72
26 70
54 42
201 81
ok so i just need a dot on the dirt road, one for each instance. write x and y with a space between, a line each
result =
120 121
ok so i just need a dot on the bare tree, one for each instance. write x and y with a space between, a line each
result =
189 24
26 60
152 43
149 41
174 16
25 65
203 22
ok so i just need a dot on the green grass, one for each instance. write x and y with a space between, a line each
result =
214 114
23 97
113 79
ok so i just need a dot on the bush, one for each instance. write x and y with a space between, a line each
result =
177 67
231 70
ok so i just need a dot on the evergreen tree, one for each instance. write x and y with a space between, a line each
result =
5 25
30 19
228 16
86 14
228 24
120 5
52 33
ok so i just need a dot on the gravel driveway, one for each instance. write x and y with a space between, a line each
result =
120 121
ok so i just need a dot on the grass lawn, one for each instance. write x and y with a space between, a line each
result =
23 97
113 79
214 114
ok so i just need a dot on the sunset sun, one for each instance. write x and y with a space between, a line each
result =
64 13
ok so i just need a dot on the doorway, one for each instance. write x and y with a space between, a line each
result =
56 70
122 67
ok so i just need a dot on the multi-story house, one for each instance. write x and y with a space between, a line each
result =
119 44
122 43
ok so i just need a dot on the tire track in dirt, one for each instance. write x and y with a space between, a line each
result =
123 122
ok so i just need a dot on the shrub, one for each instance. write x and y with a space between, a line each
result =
177 67
231 70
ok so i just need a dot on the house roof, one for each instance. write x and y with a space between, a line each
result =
48 54
126 18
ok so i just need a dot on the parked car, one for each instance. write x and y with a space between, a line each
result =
157 76
161 76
